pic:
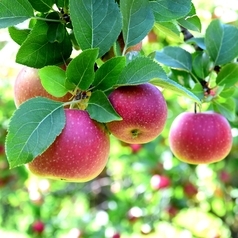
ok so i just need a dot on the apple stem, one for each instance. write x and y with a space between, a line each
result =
196 105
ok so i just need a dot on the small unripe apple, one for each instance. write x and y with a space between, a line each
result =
78 154
143 110
159 181
28 85
200 138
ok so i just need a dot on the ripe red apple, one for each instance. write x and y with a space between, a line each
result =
28 85
159 181
200 138
144 113
78 154
38 226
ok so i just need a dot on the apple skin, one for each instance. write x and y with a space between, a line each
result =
28 85
38 226
159 182
144 112
200 138
78 154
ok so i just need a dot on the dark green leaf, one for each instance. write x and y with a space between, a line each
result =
36 51
138 20
32 129
13 12
62 3
56 32
168 10
197 41
201 64
53 79
228 76
80 70
100 108
139 71
18 35
175 87
97 24
107 75
221 42
180 76
174 57
42 5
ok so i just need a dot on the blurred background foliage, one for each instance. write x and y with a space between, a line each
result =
143 192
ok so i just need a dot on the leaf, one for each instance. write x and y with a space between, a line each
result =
140 70
168 10
18 35
56 32
100 108
174 57
107 75
221 42
228 76
175 87
97 24
80 70
138 20
42 5
191 21
13 12
36 51
170 30
53 79
32 129
201 64
199 41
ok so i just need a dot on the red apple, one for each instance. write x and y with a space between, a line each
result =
159 181
190 189
200 138
38 226
116 235
28 85
78 154
144 113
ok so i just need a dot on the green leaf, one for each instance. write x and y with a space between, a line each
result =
36 51
228 76
141 70
13 12
138 20
227 92
201 64
62 3
175 87
191 21
42 5
56 32
198 41
168 10
80 70
100 108
174 57
226 107
171 30
97 24
221 42
107 75
32 129
18 35
53 79
198 90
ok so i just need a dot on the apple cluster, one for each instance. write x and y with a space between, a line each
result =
81 151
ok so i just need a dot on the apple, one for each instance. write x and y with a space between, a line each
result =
190 189
143 110
159 182
28 85
78 154
116 235
200 138
38 226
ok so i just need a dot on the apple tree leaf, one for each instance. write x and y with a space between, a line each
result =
168 10
201 64
14 11
108 74
36 51
53 79
228 76
80 70
140 70
42 5
100 108
174 57
221 42
95 26
175 87
138 20
32 129
18 35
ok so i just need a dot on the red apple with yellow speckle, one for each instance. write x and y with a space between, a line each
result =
200 138
78 154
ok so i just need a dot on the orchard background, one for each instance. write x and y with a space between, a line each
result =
193 201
